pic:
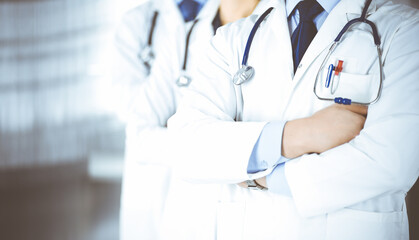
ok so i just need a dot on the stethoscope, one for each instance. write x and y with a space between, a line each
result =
334 70
147 54
246 72
184 79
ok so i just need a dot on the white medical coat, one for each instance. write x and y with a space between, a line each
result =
353 191
147 174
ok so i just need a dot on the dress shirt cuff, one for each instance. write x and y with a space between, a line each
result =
267 150
277 182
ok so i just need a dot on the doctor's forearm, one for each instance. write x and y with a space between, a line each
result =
324 130
293 139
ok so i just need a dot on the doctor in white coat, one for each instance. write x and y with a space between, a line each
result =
155 204
152 27
355 190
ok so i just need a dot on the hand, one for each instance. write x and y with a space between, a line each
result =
260 181
326 129
336 125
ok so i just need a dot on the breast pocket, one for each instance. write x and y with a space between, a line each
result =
357 87
361 88
349 224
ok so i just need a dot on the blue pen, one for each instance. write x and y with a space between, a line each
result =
329 75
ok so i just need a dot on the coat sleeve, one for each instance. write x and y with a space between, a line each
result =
128 71
146 96
383 159
213 147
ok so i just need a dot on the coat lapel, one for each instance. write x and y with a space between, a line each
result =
281 31
171 17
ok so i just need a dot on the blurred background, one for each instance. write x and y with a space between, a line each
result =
61 141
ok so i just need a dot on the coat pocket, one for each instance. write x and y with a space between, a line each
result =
357 87
230 220
349 224
354 86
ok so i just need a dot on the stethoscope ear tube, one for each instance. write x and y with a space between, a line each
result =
245 73
377 40
363 19
252 35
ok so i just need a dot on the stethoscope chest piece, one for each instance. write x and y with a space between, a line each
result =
147 56
184 80
244 74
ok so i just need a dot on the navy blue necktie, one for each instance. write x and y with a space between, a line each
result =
189 9
306 29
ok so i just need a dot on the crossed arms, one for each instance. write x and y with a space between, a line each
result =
324 130
381 160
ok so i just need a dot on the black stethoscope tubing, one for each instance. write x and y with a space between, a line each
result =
363 19
185 56
245 73
184 79
147 55
377 42
344 29
150 39
216 23
252 34
153 26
